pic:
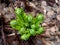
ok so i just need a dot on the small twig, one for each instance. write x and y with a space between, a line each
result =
12 34
8 28
41 35
3 36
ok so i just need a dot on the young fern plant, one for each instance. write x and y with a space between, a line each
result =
26 24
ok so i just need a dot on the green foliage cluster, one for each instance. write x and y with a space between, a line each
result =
26 24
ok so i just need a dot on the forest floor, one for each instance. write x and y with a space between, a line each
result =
51 11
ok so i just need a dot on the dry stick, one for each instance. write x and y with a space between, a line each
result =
13 34
3 36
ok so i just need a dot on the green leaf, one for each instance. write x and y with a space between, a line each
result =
26 24
15 25
39 18
27 31
25 36
19 14
20 22
33 26
22 30
40 30
19 11
30 17
25 17
32 32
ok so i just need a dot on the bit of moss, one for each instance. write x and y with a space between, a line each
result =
26 24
